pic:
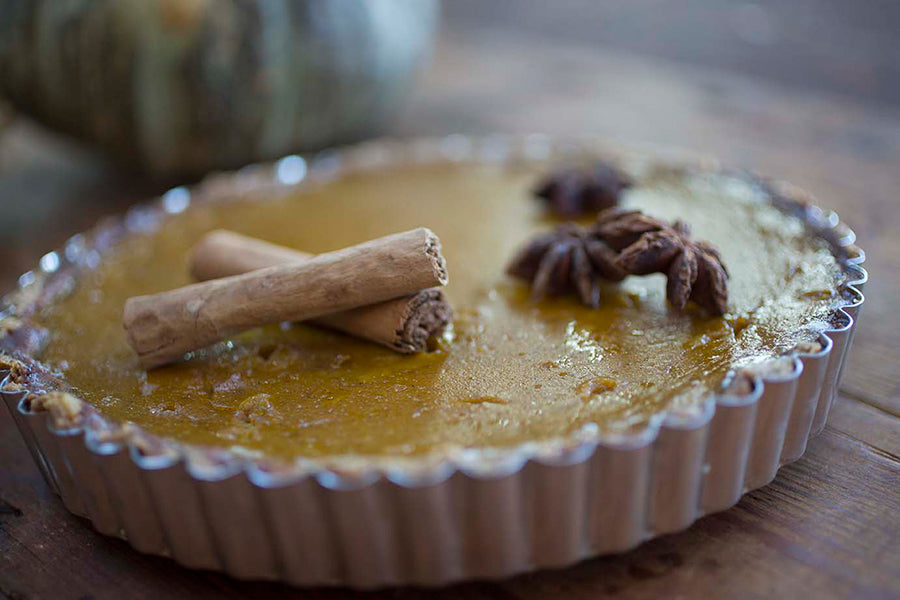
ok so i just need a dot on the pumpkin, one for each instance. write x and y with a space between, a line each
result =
180 86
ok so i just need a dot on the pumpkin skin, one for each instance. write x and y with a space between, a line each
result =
186 86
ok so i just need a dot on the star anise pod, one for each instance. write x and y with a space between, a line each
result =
569 258
621 228
693 268
574 192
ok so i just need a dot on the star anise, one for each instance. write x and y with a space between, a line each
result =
569 258
574 192
693 268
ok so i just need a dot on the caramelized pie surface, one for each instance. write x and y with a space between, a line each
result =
508 370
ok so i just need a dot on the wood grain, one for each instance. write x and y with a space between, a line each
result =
826 528
822 45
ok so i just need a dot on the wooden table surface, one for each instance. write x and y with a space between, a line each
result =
828 527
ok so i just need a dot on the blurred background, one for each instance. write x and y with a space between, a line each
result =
112 101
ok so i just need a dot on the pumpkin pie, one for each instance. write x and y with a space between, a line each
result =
512 378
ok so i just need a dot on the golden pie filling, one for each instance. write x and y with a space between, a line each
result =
508 370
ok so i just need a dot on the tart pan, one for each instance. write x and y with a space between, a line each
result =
470 514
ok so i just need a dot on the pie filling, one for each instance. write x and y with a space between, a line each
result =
508 370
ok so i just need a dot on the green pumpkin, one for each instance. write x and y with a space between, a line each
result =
179 86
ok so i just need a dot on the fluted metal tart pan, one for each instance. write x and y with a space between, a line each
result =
469 514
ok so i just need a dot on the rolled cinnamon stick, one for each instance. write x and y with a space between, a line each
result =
402 324
163 327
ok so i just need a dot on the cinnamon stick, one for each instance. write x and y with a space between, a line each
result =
163 327
402 324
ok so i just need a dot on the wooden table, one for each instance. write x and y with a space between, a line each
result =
828 527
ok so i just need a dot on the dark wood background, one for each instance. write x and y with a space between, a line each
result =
806 90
